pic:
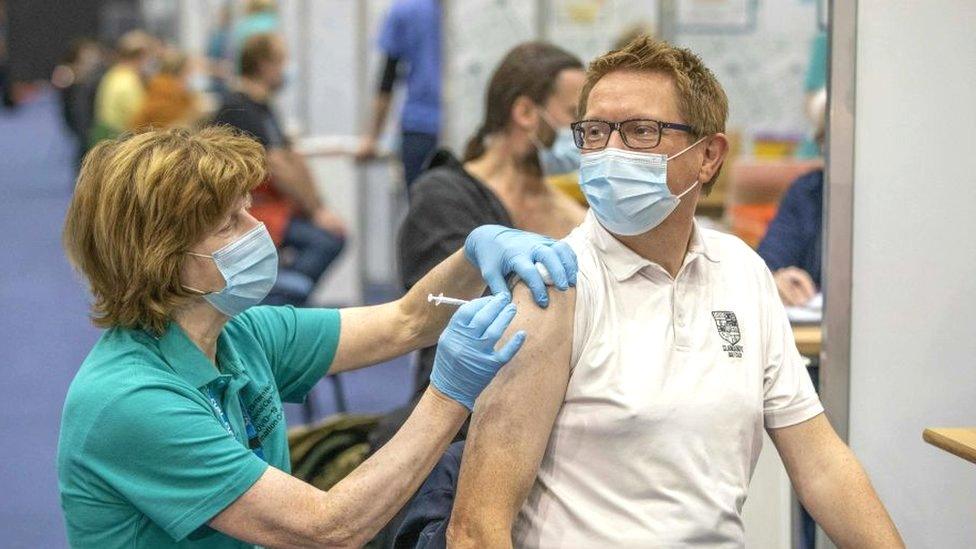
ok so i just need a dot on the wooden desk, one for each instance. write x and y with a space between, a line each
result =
960 441
808 338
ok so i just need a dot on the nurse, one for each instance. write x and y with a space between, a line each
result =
172 432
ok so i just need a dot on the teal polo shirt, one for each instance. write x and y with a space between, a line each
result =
144 458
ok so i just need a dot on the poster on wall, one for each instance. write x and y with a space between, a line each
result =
578 12
589 28
716 16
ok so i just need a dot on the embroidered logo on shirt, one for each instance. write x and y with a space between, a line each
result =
728 329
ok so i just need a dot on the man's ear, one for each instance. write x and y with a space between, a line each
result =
525 114
714 153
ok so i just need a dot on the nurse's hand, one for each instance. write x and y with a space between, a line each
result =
500 251
466 359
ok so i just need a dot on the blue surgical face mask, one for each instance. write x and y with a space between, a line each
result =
562 156
628 191
249 266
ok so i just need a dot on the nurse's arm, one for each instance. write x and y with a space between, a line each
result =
282 511
370 335
833 486
511 424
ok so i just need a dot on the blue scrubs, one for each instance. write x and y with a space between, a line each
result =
412 35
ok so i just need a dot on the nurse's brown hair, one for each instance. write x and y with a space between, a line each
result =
140 203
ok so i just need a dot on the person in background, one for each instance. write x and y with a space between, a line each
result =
793 245
288 202
219 64
121 91
411 38
814 87
77 77
530 102
260 17
169 102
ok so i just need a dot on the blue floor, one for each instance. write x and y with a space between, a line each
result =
45 334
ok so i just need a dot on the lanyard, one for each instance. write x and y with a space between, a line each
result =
253 441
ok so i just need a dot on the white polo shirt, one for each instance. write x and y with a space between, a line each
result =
673 381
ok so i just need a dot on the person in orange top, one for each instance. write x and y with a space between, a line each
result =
169 102
288 202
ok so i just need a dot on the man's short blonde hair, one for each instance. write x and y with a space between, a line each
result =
140 203
701 99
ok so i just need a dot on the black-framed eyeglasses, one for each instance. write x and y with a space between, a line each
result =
643 133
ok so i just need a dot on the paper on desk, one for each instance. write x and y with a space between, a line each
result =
809 313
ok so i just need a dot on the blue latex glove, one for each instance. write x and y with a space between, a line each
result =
466 359
500 251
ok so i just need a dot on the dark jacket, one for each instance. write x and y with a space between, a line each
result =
446 203
795 236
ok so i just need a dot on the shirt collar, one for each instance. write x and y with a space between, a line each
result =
189 362
624 262
698 245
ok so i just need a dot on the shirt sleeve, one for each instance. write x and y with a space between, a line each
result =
437 223
789 397
166 453
300 344
393 34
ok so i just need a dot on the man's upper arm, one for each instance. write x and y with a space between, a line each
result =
802 446
514 416
805 449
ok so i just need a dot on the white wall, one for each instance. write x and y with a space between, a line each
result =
765 91
768 510
913 348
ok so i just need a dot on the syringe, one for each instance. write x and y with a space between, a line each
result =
438 299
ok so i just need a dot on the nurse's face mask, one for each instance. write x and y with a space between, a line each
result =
249 266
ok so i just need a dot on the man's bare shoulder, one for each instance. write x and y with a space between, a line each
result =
551 319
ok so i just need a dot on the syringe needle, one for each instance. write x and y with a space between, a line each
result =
438 299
